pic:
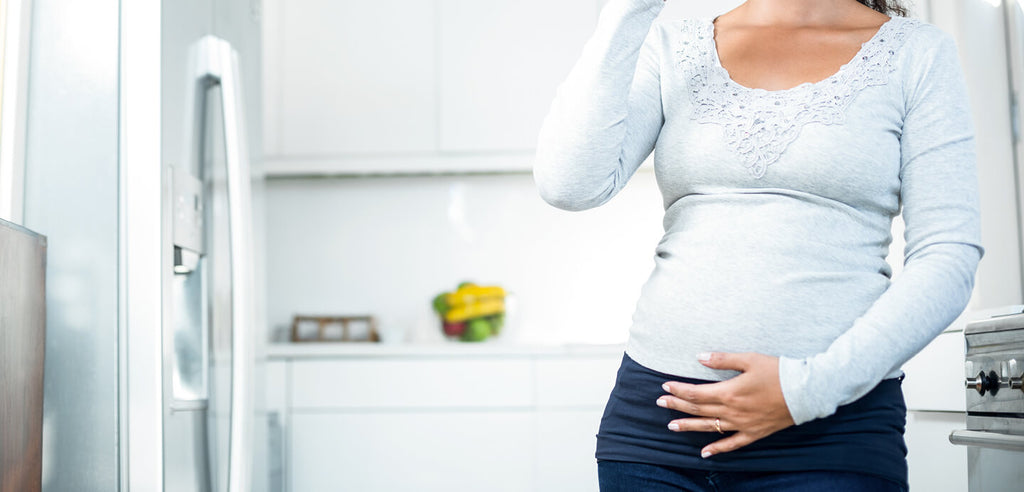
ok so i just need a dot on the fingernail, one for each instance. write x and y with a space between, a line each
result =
662 402
665 387
704 356
673 426
705 453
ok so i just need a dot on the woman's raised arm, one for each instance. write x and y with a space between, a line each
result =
607 114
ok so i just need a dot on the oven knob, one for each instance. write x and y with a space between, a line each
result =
1017 383
977 383
984 382
1013 367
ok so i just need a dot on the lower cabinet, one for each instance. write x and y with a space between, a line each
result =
935 463
565 450
516 423
413 450
936 406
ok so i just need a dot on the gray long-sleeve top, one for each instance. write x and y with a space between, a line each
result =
778 204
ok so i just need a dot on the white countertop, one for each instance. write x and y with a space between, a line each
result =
442 349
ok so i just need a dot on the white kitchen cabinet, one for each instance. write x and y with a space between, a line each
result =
935 376
412 383
569 382
349 78
571 394
500 63
934 394
412 450
413 86
566 442
453 417
935 463
418 87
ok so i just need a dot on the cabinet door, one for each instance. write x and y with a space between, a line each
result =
351 77
500 63
934 462
571 395
415 450
566 442
391 384
567 382
935 376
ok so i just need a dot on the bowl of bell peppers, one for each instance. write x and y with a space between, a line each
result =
471 313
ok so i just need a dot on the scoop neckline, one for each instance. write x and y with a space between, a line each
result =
717 63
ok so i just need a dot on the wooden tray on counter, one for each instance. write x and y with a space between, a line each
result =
326 329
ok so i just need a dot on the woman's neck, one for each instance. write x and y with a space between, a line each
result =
794 13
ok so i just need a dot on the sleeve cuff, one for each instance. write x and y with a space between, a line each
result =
794 376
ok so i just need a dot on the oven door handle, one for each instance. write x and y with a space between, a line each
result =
983 439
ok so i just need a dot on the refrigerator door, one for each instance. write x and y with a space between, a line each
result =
208 344
1015 62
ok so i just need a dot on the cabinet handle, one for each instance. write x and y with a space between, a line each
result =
275 451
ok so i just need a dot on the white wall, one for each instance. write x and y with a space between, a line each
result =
386 246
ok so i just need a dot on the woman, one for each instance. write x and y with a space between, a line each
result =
766 345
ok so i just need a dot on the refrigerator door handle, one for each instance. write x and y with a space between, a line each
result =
219 64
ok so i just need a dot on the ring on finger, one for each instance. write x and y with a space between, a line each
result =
718 425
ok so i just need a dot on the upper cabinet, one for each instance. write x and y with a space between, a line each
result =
352 77
414 85
419 85
500 63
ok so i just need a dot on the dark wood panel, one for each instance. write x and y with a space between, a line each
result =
22 337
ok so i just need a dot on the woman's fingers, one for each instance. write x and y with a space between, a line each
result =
696 399
685 406
697 393
724 445
731 443
696 424
725 360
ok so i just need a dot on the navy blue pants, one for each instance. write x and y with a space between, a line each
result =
862 441
626 476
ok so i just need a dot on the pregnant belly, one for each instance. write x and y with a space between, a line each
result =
707 293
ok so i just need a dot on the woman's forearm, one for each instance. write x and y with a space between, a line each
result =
606 114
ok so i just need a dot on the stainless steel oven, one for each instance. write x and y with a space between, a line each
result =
994 386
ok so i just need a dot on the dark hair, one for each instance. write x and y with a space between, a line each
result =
886 6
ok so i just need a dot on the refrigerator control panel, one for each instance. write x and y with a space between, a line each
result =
188 210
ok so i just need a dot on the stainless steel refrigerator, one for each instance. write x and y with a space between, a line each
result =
142 137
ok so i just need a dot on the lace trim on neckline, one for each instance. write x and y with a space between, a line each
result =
760 124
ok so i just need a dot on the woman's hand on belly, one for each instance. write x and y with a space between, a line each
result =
750 404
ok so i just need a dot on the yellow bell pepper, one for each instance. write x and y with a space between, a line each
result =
474 293
484 307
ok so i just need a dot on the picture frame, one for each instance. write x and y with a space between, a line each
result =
15 41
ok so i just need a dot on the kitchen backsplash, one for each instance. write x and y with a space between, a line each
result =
386 246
